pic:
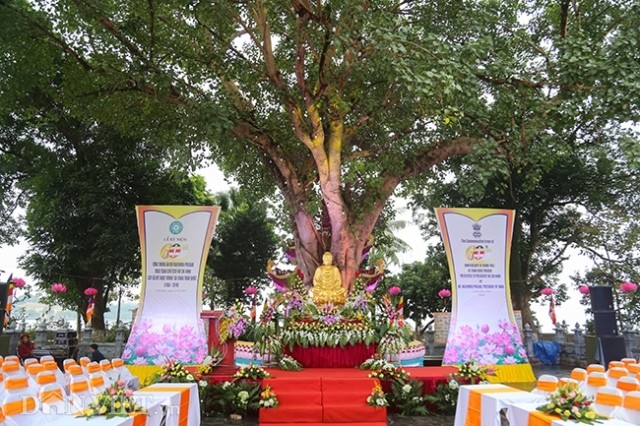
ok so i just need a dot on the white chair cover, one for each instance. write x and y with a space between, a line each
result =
594 382
628 384
546 384
614 374
608 401
97 383
53 400
23 410
630 411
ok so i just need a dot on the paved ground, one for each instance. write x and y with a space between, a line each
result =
397 420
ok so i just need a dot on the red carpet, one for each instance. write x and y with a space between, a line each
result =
337 396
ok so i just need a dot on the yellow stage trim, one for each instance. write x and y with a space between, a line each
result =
517 373
144 373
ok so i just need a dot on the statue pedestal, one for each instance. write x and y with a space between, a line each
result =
352 355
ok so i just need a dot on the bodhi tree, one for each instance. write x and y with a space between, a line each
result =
337 103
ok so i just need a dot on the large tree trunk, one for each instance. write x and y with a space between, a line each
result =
520 293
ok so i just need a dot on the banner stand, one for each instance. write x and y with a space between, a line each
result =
483 327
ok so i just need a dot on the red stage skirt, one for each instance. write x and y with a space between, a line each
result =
332 357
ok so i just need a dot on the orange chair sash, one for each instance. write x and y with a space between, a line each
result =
627 387
547 386
79 386
632 402
578 375
596 381
608 399
597 368
51 396
616 374
97 381
25 405
16 383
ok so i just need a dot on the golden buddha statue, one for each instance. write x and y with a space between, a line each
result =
327 283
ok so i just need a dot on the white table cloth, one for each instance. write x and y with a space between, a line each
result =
496 398
179 414
518 415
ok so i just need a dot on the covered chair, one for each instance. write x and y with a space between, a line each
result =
123 373
79 392
12 358
630 411
615 373
595 368
27 362
628 384
628 361
568 381
579 375
546 384
613 364
608 400
634 369
594 382
52 397
11 369
45 358
84 361
53 367
22 410
107 368
96 383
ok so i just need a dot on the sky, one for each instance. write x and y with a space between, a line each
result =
570 311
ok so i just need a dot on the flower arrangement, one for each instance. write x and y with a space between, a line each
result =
569 403
330 330
233 323
115 401
472 373
376 362
390 372
212 360
377 397
251 372
58 288
268 398
287 363
174 372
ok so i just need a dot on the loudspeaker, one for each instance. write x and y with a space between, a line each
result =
606 323
612 348
601 298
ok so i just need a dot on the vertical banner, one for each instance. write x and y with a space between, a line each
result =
174 243
483 328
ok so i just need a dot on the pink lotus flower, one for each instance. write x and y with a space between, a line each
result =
18 282
90 291
59 288
251 290
121 383
547 291
128 393
112 391
395 290
583 289
444 293
628 287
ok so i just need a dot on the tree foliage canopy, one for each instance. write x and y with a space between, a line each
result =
340 102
